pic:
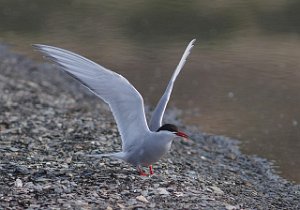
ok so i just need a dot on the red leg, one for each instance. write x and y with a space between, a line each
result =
141 172
151 170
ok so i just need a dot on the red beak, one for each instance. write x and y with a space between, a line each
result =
181 134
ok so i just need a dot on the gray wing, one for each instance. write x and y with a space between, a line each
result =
125 101
158 113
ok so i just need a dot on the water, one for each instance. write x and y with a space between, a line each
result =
241 80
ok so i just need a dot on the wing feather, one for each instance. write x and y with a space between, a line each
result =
125 101
158 113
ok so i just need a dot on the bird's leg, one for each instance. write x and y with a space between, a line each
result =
141 172
151 170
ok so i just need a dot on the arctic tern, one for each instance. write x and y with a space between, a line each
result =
141 145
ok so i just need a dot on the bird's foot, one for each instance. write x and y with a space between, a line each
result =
141 172
151 170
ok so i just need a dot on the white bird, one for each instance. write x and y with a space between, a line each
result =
141 145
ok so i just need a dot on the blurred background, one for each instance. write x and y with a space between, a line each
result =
242 79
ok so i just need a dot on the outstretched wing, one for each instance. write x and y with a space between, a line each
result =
125 101
158 113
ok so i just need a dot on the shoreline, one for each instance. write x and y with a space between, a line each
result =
49 121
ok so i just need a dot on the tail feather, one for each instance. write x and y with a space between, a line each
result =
118 155
99 155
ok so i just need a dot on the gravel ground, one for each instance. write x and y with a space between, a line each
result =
48 121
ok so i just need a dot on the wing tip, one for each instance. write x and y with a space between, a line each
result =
39 47
191 44
36 46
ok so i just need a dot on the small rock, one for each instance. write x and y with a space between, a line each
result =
21 170
178 194
231 156
162 191
35 206
230 207
142 199
13 149
145 192
156 185
195 191
152 205
203 158
18 183
4 125
217 190
60 190
29 185
81 204
131 202
38 188
109 208
121 206
192 174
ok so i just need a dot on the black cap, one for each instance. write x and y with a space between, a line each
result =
168 127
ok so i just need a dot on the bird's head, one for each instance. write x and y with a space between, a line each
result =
173 128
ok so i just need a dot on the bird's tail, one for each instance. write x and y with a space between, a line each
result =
118 155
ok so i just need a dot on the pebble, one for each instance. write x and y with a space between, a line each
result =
142 199
230 207
14 149
22 170
121 206
18 183
217 190
178 194
162 191
131 202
